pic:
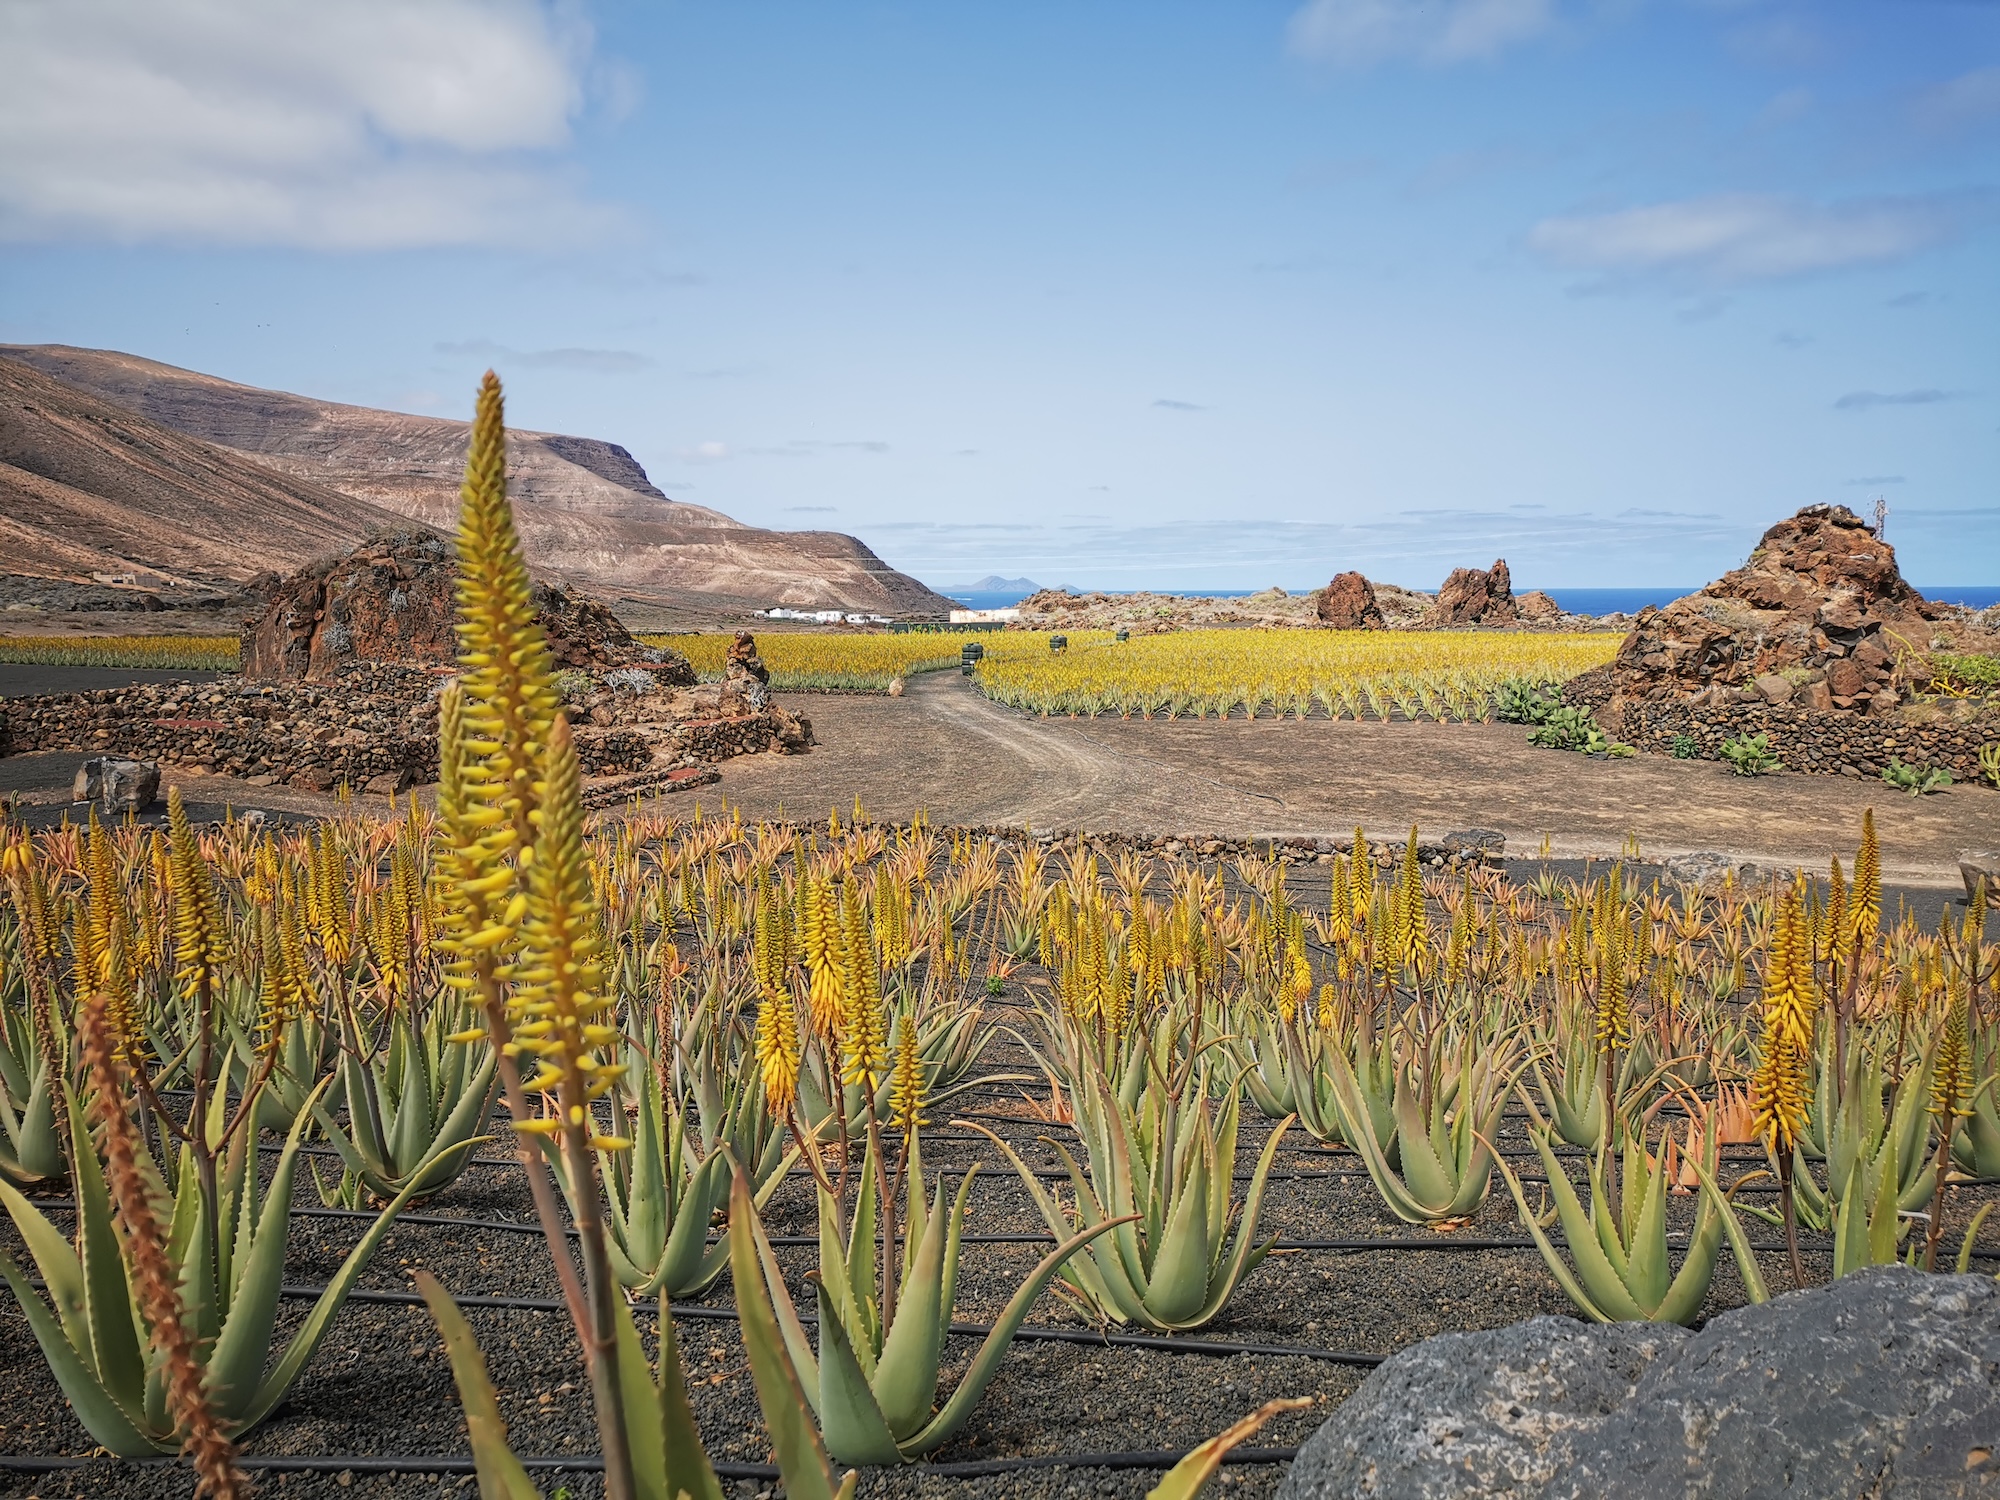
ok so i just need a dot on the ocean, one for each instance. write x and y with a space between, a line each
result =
1578 601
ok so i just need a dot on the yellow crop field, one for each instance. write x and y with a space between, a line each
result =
1360 674
804 662
194 653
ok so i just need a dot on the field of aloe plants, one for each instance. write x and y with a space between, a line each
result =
1361 674
479 1144
192 653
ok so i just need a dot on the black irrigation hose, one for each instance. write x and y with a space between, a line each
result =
1030 1333
335 1463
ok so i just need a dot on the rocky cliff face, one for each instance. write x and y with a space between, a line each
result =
1820 613
1474 597
1349 603
585 508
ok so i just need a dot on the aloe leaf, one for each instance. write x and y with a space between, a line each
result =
684 1466
102 1417
905 1380
80 1288
1648 1272
1565 1278
244 1343
850 1420
1683 1299
1739 1243
798 1349
306 1340
986 1363
646 1412
1247 1253
501 1476
788 1415
1191 1475
1610 1299
1179 1283
1358 1125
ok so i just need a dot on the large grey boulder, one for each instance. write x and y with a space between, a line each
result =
117 785
1885 1383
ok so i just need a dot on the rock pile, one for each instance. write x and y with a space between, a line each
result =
1817 618
1473 597
1348 603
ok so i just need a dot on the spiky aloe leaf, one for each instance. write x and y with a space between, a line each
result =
501 1476
1191 1475
905 1381
986 1363
856 1432
109 1423
1179 1283
1601 1294
788 1417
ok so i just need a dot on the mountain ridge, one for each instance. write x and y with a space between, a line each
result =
587 512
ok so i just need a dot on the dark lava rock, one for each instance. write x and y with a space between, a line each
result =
1886 1383
1348 603
117 785
1470 597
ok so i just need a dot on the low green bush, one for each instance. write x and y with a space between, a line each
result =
1750 755
1916 780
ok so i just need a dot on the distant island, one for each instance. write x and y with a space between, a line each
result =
993 583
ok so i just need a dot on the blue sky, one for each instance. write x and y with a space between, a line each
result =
1107 294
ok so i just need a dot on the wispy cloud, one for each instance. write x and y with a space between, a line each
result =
366 125
812 447
1958 103
592 361
704 453
1167 405
1739 237
1865 400
1870 480
1361 33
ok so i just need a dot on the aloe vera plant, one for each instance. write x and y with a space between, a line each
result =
1163 1169
662 1197
1445 1116
30 1139
91 1332
1619 1268
415 1109
873 1383
668 1460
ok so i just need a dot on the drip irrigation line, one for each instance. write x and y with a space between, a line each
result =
584 1463
1030 1333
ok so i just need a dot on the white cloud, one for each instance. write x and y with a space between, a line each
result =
1733 237
361 124
1358 33
1967 100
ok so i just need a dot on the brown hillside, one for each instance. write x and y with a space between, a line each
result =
87 486
586 509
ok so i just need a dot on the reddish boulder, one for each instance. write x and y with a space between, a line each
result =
1537 608
392 599
1348 603
1472 597
1820 602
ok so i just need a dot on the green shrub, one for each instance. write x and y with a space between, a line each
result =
1684 747
1962 674
1523 700
1916 780
1750 755
1568 728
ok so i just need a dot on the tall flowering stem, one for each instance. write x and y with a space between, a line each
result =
1779 1083
154 1277
498 742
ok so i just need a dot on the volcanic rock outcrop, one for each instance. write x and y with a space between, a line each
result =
1348 603
1818 616
1473 597
391 600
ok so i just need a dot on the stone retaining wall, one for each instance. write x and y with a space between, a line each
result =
1829 743
317 736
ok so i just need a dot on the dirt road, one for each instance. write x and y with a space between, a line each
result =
946 749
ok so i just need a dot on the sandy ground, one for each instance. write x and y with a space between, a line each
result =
964 759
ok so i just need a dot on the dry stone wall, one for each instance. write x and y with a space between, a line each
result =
1826 742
